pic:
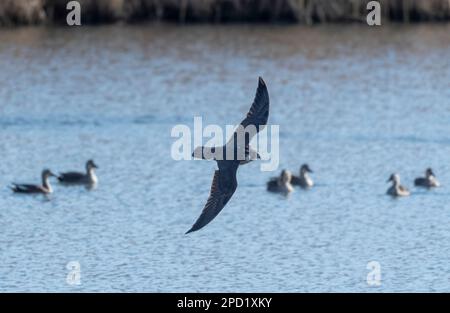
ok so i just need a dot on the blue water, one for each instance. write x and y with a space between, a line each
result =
356 103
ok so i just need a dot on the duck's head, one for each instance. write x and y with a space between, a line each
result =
394 178
285 176
429 172
90 165
305 169
46 173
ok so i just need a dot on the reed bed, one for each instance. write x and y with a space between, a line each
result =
19 12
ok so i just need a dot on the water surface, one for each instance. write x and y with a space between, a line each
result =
356 103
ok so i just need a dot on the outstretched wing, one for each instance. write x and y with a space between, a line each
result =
223 186
259 111
255 120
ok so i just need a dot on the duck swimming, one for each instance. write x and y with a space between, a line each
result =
303 180
281 184
77 178
224 182
397 190
45 188
429 181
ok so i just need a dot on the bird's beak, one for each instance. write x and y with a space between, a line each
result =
309 170
95 165
53 174
390 179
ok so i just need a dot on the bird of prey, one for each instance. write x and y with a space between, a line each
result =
224 182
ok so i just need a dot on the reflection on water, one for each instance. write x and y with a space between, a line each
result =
356 103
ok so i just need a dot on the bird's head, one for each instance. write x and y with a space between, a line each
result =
90 165
46 173
198 153
394 178
305 169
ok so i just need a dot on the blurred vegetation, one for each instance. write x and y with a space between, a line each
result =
19 12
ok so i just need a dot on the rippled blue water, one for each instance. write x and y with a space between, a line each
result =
356 103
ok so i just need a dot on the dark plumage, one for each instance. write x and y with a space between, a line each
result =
272 184
75 178
429 181
45 188
224 182
303 180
